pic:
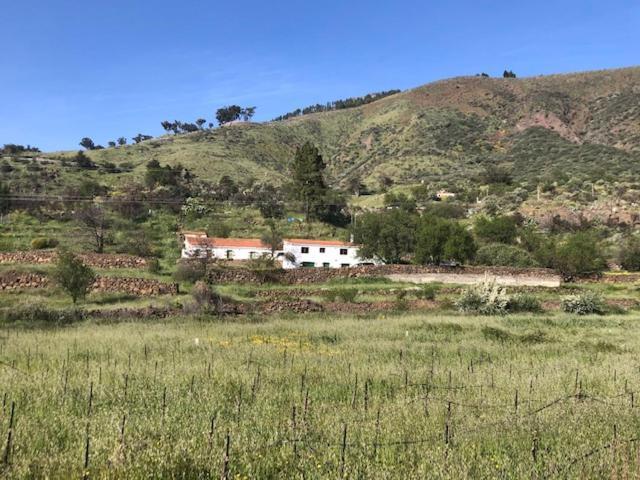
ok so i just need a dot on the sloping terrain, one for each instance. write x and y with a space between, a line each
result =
586 124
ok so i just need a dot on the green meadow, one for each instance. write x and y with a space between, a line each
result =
396 395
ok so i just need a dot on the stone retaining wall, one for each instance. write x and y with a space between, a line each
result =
535 276
98 260
132 286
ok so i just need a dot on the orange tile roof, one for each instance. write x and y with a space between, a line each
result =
225 242
327 243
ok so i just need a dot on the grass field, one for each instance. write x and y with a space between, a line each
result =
391 396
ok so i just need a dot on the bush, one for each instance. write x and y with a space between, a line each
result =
40 314
153 266
73 275
629 256
584 304
524 303
580 255
500 229
347 295
401 304
486 298
439 240
43 242
190 271
501 255
206 300
427 292
138 246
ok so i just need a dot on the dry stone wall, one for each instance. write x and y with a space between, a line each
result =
132 286
97 260
303 276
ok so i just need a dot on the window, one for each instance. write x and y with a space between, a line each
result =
229 254
344 265
304 250
322 249
308 264
252 254
326 265
343 251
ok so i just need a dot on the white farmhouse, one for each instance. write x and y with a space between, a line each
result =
198 245
320 253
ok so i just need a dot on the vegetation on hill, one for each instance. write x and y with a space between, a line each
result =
560 152
337 105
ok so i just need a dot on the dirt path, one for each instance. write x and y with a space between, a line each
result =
471 278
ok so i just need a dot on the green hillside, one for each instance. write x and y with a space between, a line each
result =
443 133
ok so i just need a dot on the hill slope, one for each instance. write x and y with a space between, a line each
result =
584 125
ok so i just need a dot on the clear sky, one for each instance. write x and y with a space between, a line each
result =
110 68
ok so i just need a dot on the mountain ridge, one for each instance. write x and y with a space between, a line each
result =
443 133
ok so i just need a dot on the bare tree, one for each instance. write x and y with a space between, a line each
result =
272 238
95 220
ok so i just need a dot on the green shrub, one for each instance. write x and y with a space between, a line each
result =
629 256
39 314
206 300
524 302
501 255
72 275
401 304
486 298
189 271
580 255
439 240
500 229
137 245
584 304
153 266
427 292
41 243
347 295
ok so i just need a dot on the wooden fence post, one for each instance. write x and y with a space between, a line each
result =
225 464
7 448
343 451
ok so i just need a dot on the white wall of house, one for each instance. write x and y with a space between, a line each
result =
317 254
314 255
223 252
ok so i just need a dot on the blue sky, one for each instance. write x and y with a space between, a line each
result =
110 68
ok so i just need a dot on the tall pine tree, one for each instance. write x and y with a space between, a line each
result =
308 180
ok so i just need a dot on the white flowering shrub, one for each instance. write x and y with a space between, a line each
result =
486 298
584 304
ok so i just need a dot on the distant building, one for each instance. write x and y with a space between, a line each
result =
295 253
198 245
320 253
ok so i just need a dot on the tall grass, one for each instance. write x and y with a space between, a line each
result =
399 396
